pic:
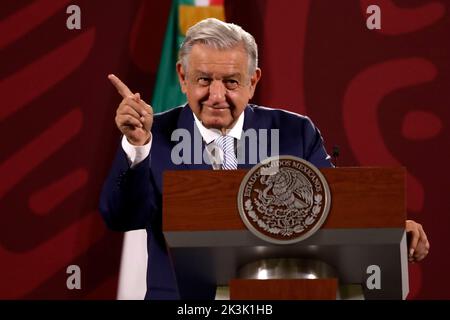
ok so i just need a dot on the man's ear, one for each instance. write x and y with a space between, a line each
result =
182 77
254 81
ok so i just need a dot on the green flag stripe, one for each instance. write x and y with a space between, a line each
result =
167 93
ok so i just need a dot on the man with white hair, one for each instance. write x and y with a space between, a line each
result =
218 71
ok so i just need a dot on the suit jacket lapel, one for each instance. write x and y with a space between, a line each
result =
197 145
250 123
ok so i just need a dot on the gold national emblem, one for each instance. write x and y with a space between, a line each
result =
284 200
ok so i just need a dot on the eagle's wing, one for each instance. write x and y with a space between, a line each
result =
302 187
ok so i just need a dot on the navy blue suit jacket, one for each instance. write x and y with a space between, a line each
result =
132 198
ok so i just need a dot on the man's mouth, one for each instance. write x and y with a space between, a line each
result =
218 107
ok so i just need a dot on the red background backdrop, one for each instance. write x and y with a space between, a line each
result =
382 96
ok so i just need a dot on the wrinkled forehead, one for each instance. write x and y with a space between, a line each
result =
226 62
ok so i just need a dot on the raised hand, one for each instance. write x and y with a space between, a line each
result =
134 117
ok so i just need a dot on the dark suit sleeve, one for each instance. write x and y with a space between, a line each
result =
128 200
314 146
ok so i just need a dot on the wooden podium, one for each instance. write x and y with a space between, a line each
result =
365 228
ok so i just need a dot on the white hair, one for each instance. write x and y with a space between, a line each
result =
220 35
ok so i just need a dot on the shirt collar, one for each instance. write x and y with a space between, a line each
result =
209 135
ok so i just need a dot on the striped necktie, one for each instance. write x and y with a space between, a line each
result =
226 143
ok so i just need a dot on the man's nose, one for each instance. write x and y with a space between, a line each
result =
217 91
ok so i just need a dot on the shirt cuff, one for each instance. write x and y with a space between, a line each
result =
136 154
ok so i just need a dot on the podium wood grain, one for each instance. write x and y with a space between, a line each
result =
361 198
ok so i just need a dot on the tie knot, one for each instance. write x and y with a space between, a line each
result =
224 141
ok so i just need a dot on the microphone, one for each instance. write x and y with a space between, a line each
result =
335 154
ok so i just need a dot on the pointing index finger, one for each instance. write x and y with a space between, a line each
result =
120 86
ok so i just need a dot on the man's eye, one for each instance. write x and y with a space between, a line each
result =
204 81
231 84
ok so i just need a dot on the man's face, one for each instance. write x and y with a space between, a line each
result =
217 84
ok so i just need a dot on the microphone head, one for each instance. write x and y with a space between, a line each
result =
336 151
